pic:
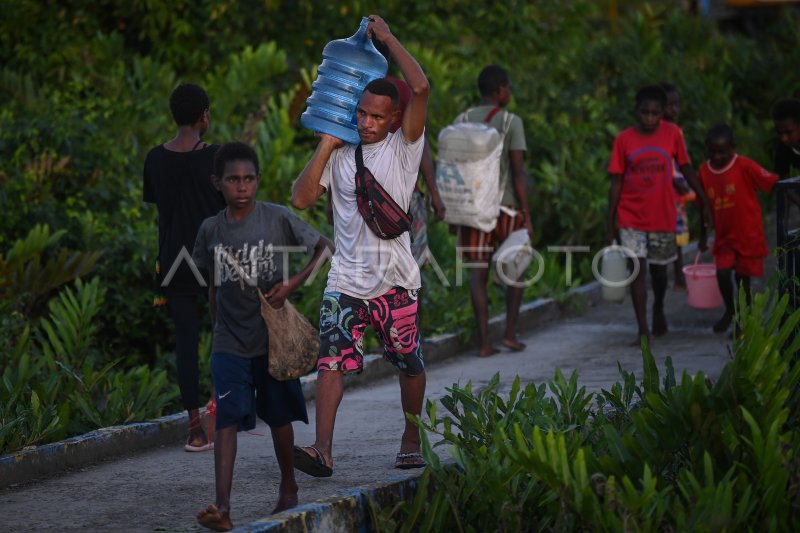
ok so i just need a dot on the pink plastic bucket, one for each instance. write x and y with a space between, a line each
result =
701 285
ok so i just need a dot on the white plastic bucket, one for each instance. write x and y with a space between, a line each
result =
702 290
614 269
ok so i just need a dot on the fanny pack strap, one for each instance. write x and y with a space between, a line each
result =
361 182
367 193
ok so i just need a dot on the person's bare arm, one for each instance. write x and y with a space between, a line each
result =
520 183
614 194
429 175
280 291
415 113
691 178
306 189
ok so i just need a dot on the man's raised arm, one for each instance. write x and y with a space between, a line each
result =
415 113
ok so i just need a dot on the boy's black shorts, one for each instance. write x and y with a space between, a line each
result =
244 388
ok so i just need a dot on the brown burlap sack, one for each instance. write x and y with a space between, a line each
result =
293 341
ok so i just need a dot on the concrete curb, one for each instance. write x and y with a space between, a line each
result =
347 513
77 452
47 460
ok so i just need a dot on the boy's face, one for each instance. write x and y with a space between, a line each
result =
673 109
788 130
720 151
648 115
374 116
238 184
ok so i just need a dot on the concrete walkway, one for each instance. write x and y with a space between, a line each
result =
161 489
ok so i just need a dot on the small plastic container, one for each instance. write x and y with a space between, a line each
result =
682 226
682 230
702 290
614 269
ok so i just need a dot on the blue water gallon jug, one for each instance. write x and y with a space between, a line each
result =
348 65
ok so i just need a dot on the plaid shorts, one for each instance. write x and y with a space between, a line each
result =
658 247
343 320
477 245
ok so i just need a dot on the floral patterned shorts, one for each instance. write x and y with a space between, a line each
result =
394 316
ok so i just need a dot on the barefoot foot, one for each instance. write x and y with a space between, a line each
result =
212 518
286 500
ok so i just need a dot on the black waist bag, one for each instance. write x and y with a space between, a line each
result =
378 209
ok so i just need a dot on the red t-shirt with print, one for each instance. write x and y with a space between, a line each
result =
737 212
647 201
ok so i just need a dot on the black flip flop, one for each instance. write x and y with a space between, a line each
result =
313 466
401 461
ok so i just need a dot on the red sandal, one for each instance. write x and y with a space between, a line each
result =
194 423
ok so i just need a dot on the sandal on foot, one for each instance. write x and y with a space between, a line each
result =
492 350
202 448
194 425
513 345
311 465
406 461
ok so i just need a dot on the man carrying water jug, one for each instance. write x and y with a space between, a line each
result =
372 281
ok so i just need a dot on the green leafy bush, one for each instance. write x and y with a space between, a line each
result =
60 385
661 455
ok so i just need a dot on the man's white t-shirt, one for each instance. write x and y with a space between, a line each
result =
363 265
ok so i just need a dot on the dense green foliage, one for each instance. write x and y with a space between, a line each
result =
84 90
688 455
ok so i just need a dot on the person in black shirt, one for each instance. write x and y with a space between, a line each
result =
177 178
786 117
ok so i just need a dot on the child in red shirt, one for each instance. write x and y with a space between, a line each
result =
641 202
730 182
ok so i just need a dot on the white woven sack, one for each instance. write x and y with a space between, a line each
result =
468 174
